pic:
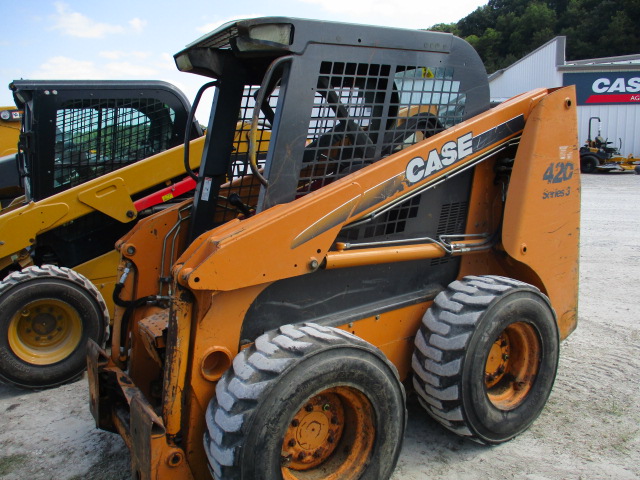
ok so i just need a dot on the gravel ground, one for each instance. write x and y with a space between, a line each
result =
590 428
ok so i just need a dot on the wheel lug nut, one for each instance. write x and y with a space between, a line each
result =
334 420
330 439
301 456
309 408
295 422
292 443
326 407
505 357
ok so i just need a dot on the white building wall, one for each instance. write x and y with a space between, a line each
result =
618 122
540 69
536 70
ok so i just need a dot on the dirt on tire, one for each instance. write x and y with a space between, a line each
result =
589 429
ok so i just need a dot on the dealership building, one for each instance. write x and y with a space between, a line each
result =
607 88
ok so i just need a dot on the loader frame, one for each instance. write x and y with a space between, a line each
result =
330 212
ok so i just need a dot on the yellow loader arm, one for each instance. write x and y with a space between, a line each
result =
110 194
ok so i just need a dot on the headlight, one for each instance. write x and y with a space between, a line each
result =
266 37
279 33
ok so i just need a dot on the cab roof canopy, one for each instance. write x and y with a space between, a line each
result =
23 90
272 37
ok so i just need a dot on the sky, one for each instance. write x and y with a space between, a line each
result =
136 39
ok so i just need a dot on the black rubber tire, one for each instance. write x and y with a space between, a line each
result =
452 347
257 399
72 291
588 164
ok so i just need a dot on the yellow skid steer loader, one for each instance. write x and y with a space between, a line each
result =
93 158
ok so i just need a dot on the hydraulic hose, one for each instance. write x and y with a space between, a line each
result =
128 305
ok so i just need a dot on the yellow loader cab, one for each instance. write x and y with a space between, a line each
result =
397 229
10 121
93 158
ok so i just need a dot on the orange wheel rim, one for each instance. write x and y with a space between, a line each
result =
512 365
330 437
45 331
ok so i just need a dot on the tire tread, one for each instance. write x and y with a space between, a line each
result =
441 343
63 274
228 413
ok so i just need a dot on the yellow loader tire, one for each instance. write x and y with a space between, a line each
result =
47 314
486 357
306 401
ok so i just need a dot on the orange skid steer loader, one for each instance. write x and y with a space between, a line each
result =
397 229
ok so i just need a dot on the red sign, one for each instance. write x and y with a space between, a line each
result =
614 98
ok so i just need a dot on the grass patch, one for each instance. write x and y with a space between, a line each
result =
11 462
622 442
615 408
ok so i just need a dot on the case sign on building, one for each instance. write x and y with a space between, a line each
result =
605 88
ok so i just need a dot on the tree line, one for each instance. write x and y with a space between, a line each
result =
503 31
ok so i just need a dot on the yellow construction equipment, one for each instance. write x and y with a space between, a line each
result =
10 118
94 157
397 228
596 155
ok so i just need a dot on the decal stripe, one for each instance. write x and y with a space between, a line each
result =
398 182
332 219
497 133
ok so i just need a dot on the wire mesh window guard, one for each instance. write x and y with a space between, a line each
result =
240 182
364 112
360 114
94 137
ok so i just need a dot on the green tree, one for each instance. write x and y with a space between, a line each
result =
503 31
447 28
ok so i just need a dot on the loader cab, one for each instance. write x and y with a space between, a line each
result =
321 100
75 131
10 120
